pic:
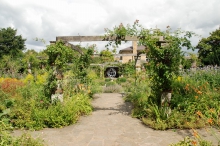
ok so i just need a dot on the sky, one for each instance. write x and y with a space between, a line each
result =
46 19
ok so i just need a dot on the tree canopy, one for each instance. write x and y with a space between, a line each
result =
209 49
165 55
10 43
106 56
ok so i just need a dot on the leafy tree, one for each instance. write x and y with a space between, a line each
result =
84 61
128 68
59 55
209 49
106 56
31 60
10 43
165 55
10 66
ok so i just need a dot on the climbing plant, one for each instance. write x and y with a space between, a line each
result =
165 55
83 62
59 55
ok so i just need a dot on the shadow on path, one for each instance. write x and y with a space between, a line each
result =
110 124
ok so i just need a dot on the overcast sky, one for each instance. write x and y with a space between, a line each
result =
47 19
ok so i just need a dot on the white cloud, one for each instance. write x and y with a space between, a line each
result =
50 18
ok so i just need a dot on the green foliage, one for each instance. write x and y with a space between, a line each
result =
26 106
39 113
106 56
111 83
10 67
31 61
27 140
10 43
191 142
112 89
121 80
186 63
108 79
111 86
51 84
165 55
209 49
195 104
59 55
138 94
128 69
83 63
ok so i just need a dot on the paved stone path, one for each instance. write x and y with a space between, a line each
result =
111 125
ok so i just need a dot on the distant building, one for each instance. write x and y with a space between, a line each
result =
129 54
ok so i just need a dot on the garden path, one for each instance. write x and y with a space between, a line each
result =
110 124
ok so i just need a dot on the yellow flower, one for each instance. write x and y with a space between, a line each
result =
196 97
179 78
29 78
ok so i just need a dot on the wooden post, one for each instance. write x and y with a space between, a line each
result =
134 44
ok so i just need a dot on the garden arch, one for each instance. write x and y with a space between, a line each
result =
134 39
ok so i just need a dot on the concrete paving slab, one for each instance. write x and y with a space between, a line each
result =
110 124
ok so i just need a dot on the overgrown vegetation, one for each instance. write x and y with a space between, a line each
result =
195 95
29 80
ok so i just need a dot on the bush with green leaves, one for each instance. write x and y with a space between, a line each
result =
162 47
24 105
138 92
25 139
195 104
121 80
193 142
38 114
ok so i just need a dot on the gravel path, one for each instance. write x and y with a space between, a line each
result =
110 124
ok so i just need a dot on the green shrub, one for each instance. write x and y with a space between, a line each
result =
38 114
194 104
112 83
139 93
27 140
107 79
193 142
112 88
121 80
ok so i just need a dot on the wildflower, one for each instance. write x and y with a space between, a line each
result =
187 87
196 97
210 121
193 142
195 134
199 92
179 78
199 113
